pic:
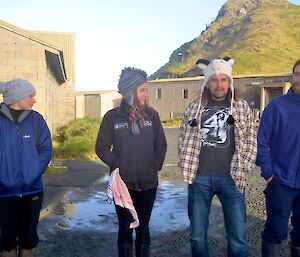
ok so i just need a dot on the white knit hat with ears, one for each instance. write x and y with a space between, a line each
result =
216 67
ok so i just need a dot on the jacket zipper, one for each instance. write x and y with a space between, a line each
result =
20 175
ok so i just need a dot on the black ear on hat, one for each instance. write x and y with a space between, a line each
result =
202 63
226 58
229 60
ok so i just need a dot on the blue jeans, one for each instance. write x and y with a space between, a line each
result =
281 201
200 195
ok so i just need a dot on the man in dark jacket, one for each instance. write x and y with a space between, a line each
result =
132 139
279 158
25 151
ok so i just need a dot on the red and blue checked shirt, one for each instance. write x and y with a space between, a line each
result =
243 159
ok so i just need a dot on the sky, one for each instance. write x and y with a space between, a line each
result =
113 34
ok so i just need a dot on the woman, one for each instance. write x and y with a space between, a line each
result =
132 139
25 151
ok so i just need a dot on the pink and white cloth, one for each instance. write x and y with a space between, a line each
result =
118 191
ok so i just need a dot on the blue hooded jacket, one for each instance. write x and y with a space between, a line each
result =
279 140
25 151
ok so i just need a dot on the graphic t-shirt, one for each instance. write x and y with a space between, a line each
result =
217 140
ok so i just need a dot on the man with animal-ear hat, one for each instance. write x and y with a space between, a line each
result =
217 146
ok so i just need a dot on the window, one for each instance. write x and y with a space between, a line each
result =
158 93
184 94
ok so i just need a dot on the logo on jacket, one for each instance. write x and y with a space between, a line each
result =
26 136
121 125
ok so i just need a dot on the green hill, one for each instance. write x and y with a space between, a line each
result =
263 36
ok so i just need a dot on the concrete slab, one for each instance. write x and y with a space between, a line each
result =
79 174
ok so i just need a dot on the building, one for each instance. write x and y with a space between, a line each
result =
47 60
96 103
170 96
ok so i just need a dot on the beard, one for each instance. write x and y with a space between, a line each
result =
218 95
296 88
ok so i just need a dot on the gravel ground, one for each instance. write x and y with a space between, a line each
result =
89 242
92 242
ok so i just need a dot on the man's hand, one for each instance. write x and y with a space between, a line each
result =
269 180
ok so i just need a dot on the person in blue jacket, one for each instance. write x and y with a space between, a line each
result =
279 158
25 151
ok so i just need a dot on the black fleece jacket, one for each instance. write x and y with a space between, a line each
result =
139 157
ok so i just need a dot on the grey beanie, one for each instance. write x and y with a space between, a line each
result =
15 90
130 79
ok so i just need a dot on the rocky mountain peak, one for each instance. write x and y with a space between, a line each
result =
243 7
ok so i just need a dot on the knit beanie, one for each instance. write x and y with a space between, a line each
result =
130 79
15 90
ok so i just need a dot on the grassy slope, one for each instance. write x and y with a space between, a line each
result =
265 41
272 42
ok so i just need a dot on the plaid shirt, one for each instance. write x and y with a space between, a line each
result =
244 156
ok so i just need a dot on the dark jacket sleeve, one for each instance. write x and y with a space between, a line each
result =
44 145
104 143
160 142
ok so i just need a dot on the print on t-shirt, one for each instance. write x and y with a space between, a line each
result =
214 129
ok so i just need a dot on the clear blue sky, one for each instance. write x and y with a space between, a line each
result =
112 34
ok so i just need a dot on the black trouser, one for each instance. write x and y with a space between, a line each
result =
19 217
143 202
